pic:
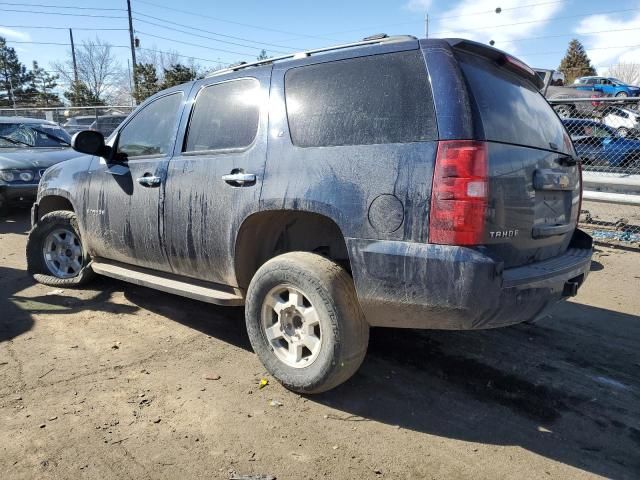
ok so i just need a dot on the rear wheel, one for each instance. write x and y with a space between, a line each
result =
305 323
55 255
623 131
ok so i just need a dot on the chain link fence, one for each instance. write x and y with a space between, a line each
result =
606 135
63 115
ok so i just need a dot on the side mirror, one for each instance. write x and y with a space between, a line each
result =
91 143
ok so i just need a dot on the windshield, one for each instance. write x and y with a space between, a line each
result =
36 135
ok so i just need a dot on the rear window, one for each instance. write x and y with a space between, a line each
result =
511 109
361 101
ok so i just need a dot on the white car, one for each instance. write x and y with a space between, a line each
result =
624 120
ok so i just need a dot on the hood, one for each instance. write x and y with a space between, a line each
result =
34 158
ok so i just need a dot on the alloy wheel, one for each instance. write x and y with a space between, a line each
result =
291 325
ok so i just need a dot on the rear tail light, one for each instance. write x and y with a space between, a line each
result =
459 193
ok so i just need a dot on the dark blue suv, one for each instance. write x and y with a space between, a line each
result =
392 182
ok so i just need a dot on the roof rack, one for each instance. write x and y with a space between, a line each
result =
372 40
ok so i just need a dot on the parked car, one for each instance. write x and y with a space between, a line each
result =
77 124
106 124
28 146
624 120
555 89
329 192
607 85
600 145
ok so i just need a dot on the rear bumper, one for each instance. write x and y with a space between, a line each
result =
410 285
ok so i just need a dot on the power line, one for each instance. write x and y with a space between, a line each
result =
120 46
585 34
442 17
205 36
61 28
586 48
201 15
192 44
62 14
206 31
471 14
555 19
58 6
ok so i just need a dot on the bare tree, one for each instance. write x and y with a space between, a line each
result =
627 72
98 68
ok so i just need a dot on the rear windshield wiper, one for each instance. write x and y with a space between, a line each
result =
14 141
50 135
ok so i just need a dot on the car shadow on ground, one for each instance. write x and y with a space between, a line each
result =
17 309
566 388
14 321
17 222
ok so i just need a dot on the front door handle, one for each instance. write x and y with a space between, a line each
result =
149 180
240 178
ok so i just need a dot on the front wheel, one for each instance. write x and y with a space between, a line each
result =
55 255
623 132
622 94
305 323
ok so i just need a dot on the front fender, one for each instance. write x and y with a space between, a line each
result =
67 180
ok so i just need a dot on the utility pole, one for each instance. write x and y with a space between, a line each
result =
133 49
426 25
73 56
130 86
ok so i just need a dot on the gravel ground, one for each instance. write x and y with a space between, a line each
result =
117 381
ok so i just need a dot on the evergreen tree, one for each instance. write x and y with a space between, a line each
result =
177 74
147 79
13 77
79 95
263 55
41 86
576 63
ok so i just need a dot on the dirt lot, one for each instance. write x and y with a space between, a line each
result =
109 382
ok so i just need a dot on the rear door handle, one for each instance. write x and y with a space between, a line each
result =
239 179
149 180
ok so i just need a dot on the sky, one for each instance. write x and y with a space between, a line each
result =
213 31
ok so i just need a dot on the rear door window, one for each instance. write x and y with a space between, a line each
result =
510 107
225 116
360 101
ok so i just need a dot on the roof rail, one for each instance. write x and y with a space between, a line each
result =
375 39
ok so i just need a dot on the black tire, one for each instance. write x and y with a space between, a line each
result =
331 292
622 94
36 265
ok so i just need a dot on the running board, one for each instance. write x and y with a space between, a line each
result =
170 283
